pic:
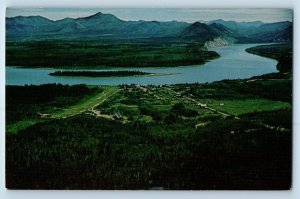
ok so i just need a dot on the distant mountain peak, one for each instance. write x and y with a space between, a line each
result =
198 24
217 25
38 17
198 29
97 15
67 19
100 15
106 25
30 20
219 20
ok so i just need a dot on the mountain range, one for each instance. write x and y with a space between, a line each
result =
102 25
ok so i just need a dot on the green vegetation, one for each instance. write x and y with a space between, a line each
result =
238 107
27 105
224 135
283 53
84 152
122 73
86 103
87 54
231 134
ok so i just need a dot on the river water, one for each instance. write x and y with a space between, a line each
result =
234 63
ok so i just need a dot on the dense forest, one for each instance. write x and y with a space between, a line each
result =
283 53
87 54
150 137
24 104
87 153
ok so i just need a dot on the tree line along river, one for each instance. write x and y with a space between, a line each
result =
234 63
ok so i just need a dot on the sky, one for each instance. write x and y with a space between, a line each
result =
161 14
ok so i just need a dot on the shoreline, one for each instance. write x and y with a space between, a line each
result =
250 79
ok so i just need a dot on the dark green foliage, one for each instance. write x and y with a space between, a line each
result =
283 53
176 144
274 86
146 110
274 90
274 76
172 119
97 53
179 109
88 153
24 102
121 73
281 118
44 93
233 154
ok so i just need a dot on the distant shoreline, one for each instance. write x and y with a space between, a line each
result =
119 73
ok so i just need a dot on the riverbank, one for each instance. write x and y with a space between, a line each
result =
64 54
234 63
283 53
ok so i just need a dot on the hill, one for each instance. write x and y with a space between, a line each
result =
259 32
109 26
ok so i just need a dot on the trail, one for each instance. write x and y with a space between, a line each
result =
89 103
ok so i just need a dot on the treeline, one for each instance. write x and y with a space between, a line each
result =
265 86
104 53
122 73
283 53
24 102
84 152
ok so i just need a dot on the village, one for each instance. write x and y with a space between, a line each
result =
149 103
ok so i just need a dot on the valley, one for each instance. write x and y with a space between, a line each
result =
113 101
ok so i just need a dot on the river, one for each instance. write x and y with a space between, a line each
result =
234 63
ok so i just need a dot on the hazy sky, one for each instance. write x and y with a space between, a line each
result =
160 14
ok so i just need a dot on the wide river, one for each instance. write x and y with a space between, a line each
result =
234 63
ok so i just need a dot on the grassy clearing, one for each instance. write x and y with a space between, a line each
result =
27 105
238 107
86 103
23 124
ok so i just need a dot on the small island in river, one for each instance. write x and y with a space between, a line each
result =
120 73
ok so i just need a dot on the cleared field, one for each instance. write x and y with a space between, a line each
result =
19 125
86 103
238 107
